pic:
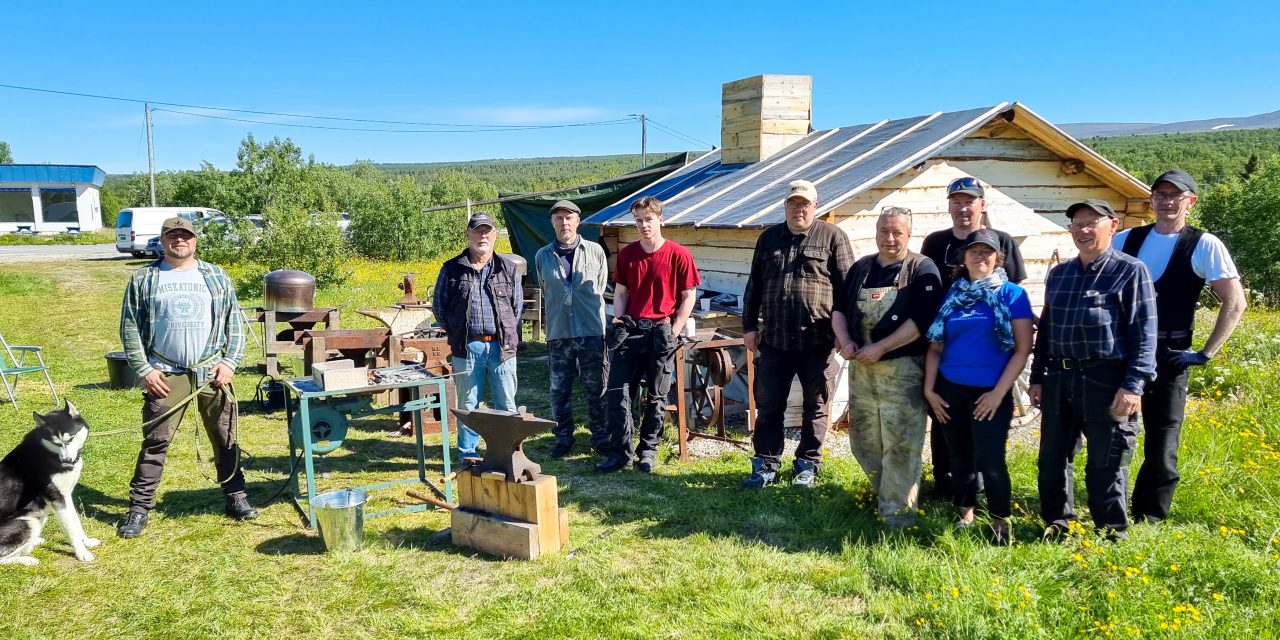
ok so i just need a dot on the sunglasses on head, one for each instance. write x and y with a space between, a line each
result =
895 211
963 183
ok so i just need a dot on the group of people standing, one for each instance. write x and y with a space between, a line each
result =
942 334
939 335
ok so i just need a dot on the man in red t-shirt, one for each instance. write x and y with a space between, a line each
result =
654 294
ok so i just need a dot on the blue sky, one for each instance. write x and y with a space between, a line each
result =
564 62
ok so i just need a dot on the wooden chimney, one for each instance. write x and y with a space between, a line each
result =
763 114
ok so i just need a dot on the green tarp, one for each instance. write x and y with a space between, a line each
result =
529 225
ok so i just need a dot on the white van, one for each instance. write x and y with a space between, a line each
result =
136 225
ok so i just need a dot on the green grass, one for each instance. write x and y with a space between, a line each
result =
101 236
682 553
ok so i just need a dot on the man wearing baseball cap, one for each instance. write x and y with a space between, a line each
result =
967 204
182 332
478 300
798 268
1094 356
1181 259
573 272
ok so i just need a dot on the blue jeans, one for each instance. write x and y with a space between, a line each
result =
483 368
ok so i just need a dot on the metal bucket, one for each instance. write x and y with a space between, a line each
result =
119 374
340 518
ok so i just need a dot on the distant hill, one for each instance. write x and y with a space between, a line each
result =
1100 129
1212 157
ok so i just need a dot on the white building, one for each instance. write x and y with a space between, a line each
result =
50 198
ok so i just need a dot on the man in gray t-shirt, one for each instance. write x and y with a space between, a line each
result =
182 332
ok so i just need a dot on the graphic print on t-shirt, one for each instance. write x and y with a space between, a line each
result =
183 320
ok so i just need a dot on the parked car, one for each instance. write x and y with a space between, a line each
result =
154 248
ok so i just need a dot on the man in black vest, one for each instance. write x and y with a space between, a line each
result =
967 204
1181 259
478 300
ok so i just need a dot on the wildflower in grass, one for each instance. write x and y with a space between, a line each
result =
1219 597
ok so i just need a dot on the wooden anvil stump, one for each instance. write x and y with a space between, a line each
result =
506 507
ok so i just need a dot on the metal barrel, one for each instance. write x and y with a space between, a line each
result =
340 518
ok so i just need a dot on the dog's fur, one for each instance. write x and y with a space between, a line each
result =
39 475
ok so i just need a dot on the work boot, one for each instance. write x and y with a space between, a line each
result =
806 473
133 525
560 450
761 474
238 508
646 464
615 462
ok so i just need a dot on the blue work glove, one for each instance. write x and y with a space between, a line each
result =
1189 358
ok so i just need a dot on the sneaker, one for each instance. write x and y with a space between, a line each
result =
133 525
760 475
646 465
806 474
560 450
238 508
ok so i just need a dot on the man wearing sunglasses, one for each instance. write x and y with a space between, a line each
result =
1094 356
798 268
967 204
1181 259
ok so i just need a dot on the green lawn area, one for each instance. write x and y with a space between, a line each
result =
680 554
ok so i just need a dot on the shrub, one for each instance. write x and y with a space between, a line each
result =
1246 215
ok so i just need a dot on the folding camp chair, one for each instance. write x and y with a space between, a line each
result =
16 366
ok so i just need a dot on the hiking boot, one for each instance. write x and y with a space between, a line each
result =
646 465
806 473
133 525
1056 532
761 475
238 508
560 450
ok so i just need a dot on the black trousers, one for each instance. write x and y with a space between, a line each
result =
775 370
644 363
1079 402
1164 406
940 452
976 446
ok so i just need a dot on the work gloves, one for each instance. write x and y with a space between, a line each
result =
1188 358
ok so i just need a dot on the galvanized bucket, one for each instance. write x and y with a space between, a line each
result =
340 518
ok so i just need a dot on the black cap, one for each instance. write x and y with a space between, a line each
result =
966 185
1100 206
481 220
982 236
1178 178
567 205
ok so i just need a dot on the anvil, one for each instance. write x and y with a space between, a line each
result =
504 433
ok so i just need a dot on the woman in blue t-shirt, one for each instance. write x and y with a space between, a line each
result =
979 343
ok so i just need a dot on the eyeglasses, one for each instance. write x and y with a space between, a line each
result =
798 203
1081 226
963 183
1169 197
895 211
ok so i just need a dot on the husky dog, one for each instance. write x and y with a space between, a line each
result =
38 475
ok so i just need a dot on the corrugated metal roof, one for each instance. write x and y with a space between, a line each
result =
841 162
53 174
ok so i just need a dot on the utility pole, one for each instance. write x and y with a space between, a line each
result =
644 140
151 154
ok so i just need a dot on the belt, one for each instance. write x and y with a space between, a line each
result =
644 324
1172 335
481 337
1071 364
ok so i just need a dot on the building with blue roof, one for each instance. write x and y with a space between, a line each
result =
50 198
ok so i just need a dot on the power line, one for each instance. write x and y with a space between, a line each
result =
377 130
677 134
490 127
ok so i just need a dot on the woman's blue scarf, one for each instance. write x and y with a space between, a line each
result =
966 293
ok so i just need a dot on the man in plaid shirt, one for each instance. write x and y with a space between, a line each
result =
797 269
1093 357
181 328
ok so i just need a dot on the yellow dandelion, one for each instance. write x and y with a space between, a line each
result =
1219 597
